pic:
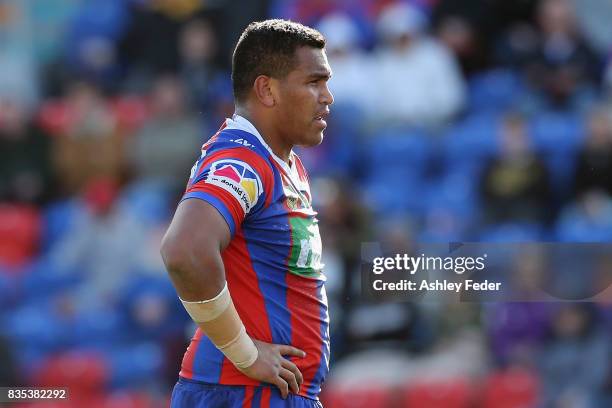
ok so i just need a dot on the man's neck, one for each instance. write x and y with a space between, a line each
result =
267 132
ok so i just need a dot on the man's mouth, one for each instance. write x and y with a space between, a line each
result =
320 118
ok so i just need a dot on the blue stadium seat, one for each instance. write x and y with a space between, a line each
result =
135 364
105 18
496 90
7 290
557 132
58 218
467 145
45 279
557 137
512 232
147 201
573 227
35 329
456 192
97 329
397 163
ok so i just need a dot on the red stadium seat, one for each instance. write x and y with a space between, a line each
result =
513 388
127 400
439 394
362 396
20 228
84 374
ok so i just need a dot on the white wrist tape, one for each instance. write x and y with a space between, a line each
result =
218 318
241 350
207 310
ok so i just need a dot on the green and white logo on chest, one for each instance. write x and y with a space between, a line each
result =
306 248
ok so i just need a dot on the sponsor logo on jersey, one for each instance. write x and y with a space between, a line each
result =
294 199
239 179
242 142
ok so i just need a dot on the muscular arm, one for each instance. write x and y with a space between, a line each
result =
191 250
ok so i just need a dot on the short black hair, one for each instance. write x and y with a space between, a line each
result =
268 48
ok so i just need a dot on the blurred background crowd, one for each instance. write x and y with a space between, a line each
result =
454 120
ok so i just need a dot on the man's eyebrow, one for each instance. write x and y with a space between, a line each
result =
320 75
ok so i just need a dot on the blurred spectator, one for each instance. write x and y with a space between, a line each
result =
588 219
515 184
91 42
574 362
421 80
25 168
199 72
594 162
18 79
564 67
517 330
594 18
88 141
310 11
100 245
8 368
345 225
350 65
465 27
149 45
166 146
150 305
607 85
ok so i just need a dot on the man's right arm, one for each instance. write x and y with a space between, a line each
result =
191 250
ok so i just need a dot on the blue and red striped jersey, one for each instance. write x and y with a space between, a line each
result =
273 262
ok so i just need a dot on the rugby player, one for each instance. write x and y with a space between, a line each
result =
243 249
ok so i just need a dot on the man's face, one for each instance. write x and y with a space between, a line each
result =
304 98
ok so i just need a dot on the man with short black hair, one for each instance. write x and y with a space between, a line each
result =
243 250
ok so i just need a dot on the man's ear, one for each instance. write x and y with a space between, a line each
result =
264 91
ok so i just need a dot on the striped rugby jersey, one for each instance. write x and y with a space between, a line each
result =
273 262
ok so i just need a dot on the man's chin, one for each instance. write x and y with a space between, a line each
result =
313 141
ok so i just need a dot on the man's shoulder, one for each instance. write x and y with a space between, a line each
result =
234 151
232 138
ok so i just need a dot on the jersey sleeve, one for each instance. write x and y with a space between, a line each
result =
235 181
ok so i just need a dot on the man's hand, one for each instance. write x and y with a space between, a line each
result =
273 368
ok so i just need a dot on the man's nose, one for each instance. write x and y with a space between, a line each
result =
327 97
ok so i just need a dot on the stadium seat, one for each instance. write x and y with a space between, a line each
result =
456 192
467 145
124 399
557 137
362 396
575 226
438 394
557 132
33 327
58 218
135 364
149 202
397 162
7 290
84 373
513 388
495 90
44 278
512 232
20 227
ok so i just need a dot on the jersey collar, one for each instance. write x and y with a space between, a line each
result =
242 123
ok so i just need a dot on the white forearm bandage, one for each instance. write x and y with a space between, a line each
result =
220 321
207 310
